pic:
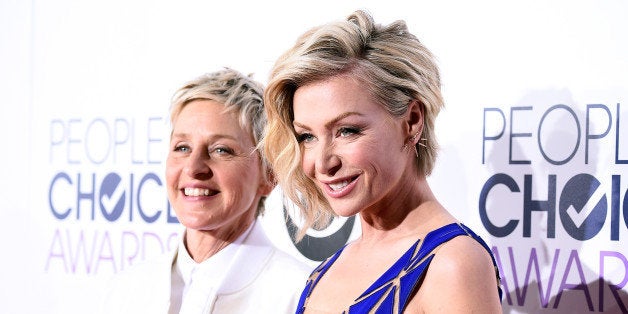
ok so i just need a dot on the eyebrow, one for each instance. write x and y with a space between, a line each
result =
332 121
185 136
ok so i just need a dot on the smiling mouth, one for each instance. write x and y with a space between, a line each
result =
340 185
198 192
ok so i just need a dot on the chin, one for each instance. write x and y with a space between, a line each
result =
195 223
192 226
346 212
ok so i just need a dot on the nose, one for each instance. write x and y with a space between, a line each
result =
327 160
197 165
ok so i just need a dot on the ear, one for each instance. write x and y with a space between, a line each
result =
414 119
267 186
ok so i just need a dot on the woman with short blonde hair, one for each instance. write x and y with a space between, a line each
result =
351 110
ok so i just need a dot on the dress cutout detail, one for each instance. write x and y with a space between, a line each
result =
392 291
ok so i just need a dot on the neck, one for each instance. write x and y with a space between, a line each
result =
409 212
203 244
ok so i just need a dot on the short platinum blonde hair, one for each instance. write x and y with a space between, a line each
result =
238 93
395 68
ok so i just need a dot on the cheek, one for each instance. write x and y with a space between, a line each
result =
172 173
307 163
237 175
369 154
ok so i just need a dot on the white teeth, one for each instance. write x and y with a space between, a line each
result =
338 186
195 192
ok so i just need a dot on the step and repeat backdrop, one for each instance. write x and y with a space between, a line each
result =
534 137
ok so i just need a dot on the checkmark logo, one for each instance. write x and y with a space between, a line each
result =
578 216
583 206
112 197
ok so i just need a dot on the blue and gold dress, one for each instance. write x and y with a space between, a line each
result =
392 291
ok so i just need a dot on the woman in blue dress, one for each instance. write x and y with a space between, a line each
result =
351 111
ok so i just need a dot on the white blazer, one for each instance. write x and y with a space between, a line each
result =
262 279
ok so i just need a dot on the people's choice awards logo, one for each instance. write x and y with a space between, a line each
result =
106 195
550 192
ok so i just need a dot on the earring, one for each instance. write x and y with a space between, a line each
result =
413 140
422 144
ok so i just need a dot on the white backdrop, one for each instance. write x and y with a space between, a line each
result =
534 152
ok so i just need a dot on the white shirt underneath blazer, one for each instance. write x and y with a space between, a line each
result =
260 279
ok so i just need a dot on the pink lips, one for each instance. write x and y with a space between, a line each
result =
340 188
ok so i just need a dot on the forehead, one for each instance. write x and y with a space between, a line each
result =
334 86
334 96
207 115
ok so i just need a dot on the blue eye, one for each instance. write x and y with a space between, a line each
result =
347 131
305 137
222 151
181 148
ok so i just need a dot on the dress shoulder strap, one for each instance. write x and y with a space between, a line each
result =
393 289
409 269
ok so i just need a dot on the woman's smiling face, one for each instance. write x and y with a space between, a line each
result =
213 172
351 146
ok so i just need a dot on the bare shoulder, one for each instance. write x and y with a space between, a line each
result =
460 278
461 255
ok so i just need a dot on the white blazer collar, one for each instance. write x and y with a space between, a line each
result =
252 255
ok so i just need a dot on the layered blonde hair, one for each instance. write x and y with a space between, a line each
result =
391 63
239 93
